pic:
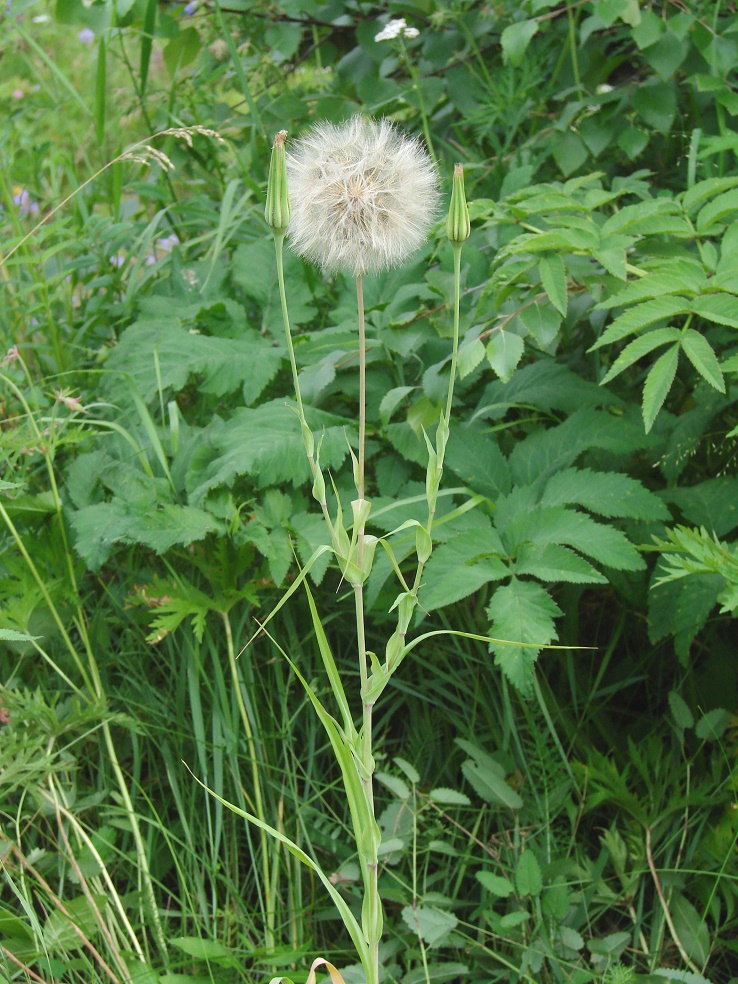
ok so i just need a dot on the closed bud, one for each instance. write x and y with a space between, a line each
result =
458 226
277 211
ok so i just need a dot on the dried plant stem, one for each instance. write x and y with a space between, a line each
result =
664 905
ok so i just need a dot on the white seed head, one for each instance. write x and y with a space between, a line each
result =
363 195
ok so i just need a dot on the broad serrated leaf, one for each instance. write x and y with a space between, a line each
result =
432 925
680 710
641 316
700 192
473 453
409 770
470 355
496 884
554 562
449 797
547 451
720 308
553 278
658 384
515 39
395 785
521 611
490 785
604 493
528 878
163 354
60 934
688 277
700 353
266 443
520 520
681 608
504 351
461 566
638 348
712 504
100 527
717 210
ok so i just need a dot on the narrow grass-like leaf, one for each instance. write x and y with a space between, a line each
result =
700 353
100 91
658 384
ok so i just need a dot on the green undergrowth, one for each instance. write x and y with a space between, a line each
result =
560 814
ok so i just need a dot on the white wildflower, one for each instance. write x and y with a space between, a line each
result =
396 28
363 195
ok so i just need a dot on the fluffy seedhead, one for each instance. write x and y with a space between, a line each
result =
363 195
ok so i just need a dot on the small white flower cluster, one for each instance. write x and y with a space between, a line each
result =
395 29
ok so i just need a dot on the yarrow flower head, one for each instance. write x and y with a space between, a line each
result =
363 195
395 29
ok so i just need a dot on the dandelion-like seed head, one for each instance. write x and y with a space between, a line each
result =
363 195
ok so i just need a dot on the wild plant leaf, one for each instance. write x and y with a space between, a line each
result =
449 797
636 219
501 887
476 458
711 725
712 504
255 271
611 253
59 932
681 608
265 443
554 562
163 353
490 785
470 355
641 316
680 711
539 320
159 526
553 278
604 493
658 384
687 277
504 351
692 929
204 949
521 611
720 308
460 567
717 210
546 451
528 878
436 973
702 191
700 353
515 39
431 924
638 348
545 384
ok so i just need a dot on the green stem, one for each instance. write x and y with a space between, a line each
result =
415 76
372 862
270 909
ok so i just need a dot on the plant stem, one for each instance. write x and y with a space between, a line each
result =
371 886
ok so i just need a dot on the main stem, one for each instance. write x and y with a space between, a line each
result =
372 863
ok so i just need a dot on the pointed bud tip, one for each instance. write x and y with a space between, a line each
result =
280 138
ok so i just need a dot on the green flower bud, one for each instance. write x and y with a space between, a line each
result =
277 211
457 223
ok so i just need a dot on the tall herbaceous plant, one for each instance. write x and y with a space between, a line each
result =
360 198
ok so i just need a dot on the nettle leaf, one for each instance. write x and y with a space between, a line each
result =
461 566
641 316
163 353
504 351
638 348
521 611
265 442
553 278
605 493
700 353
658 384
159 526
554 562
